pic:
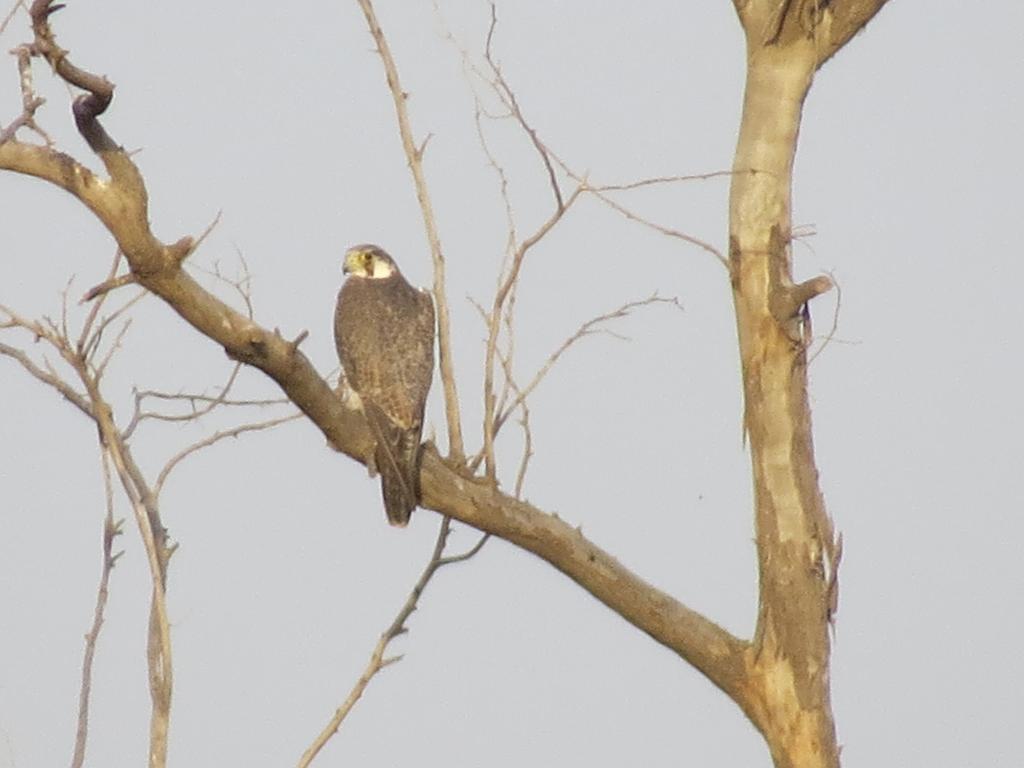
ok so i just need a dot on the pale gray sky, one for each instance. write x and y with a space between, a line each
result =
908 170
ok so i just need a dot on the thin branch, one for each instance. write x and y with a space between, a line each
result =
240 285
667 231
494 321
10 15
208 231
660 180
95 309
378 660
524 461
92 343
139 415
111 530
461 558
154 538
495 408
101 368
830 336
524 422
512 238
48 377
213 439
506 358
414 157
143 502
509 97
30 101
193 398
499 86
586 329
109 285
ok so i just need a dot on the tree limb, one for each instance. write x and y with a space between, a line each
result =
414 156
111 529
378 661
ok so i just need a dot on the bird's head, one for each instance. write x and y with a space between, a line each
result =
370 261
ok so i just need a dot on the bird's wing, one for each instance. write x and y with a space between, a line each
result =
398 444
390 364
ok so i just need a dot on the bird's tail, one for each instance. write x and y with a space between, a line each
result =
398 503
397 458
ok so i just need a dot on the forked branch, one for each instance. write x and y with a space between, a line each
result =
414 156
378 658
111 529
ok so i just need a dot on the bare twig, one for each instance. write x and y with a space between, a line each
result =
208 231
142 499
495 81
216 437
661 180
414 157
199 406
193 398
139 415
496 410
91 344
10 15
101 367
95 310
154 537
586 329
505 287
512 238
509 97
830 336
668 231
109 285
111 529
378 660
240 285
522 394
524 422
30 102
48 377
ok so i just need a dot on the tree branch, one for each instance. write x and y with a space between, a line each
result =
414 156
144 506
505 288
111 529
213 439
711 649
378 660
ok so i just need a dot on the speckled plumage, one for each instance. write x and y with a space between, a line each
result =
384 332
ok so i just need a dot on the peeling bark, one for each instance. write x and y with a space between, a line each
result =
787 681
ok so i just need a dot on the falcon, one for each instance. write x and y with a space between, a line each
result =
384 332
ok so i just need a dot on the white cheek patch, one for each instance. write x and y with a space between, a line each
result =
381 270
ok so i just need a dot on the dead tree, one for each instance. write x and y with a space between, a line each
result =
780 677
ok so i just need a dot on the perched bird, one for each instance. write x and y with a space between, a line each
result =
384 332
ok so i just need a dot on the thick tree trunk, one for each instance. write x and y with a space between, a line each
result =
788 691
789 660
